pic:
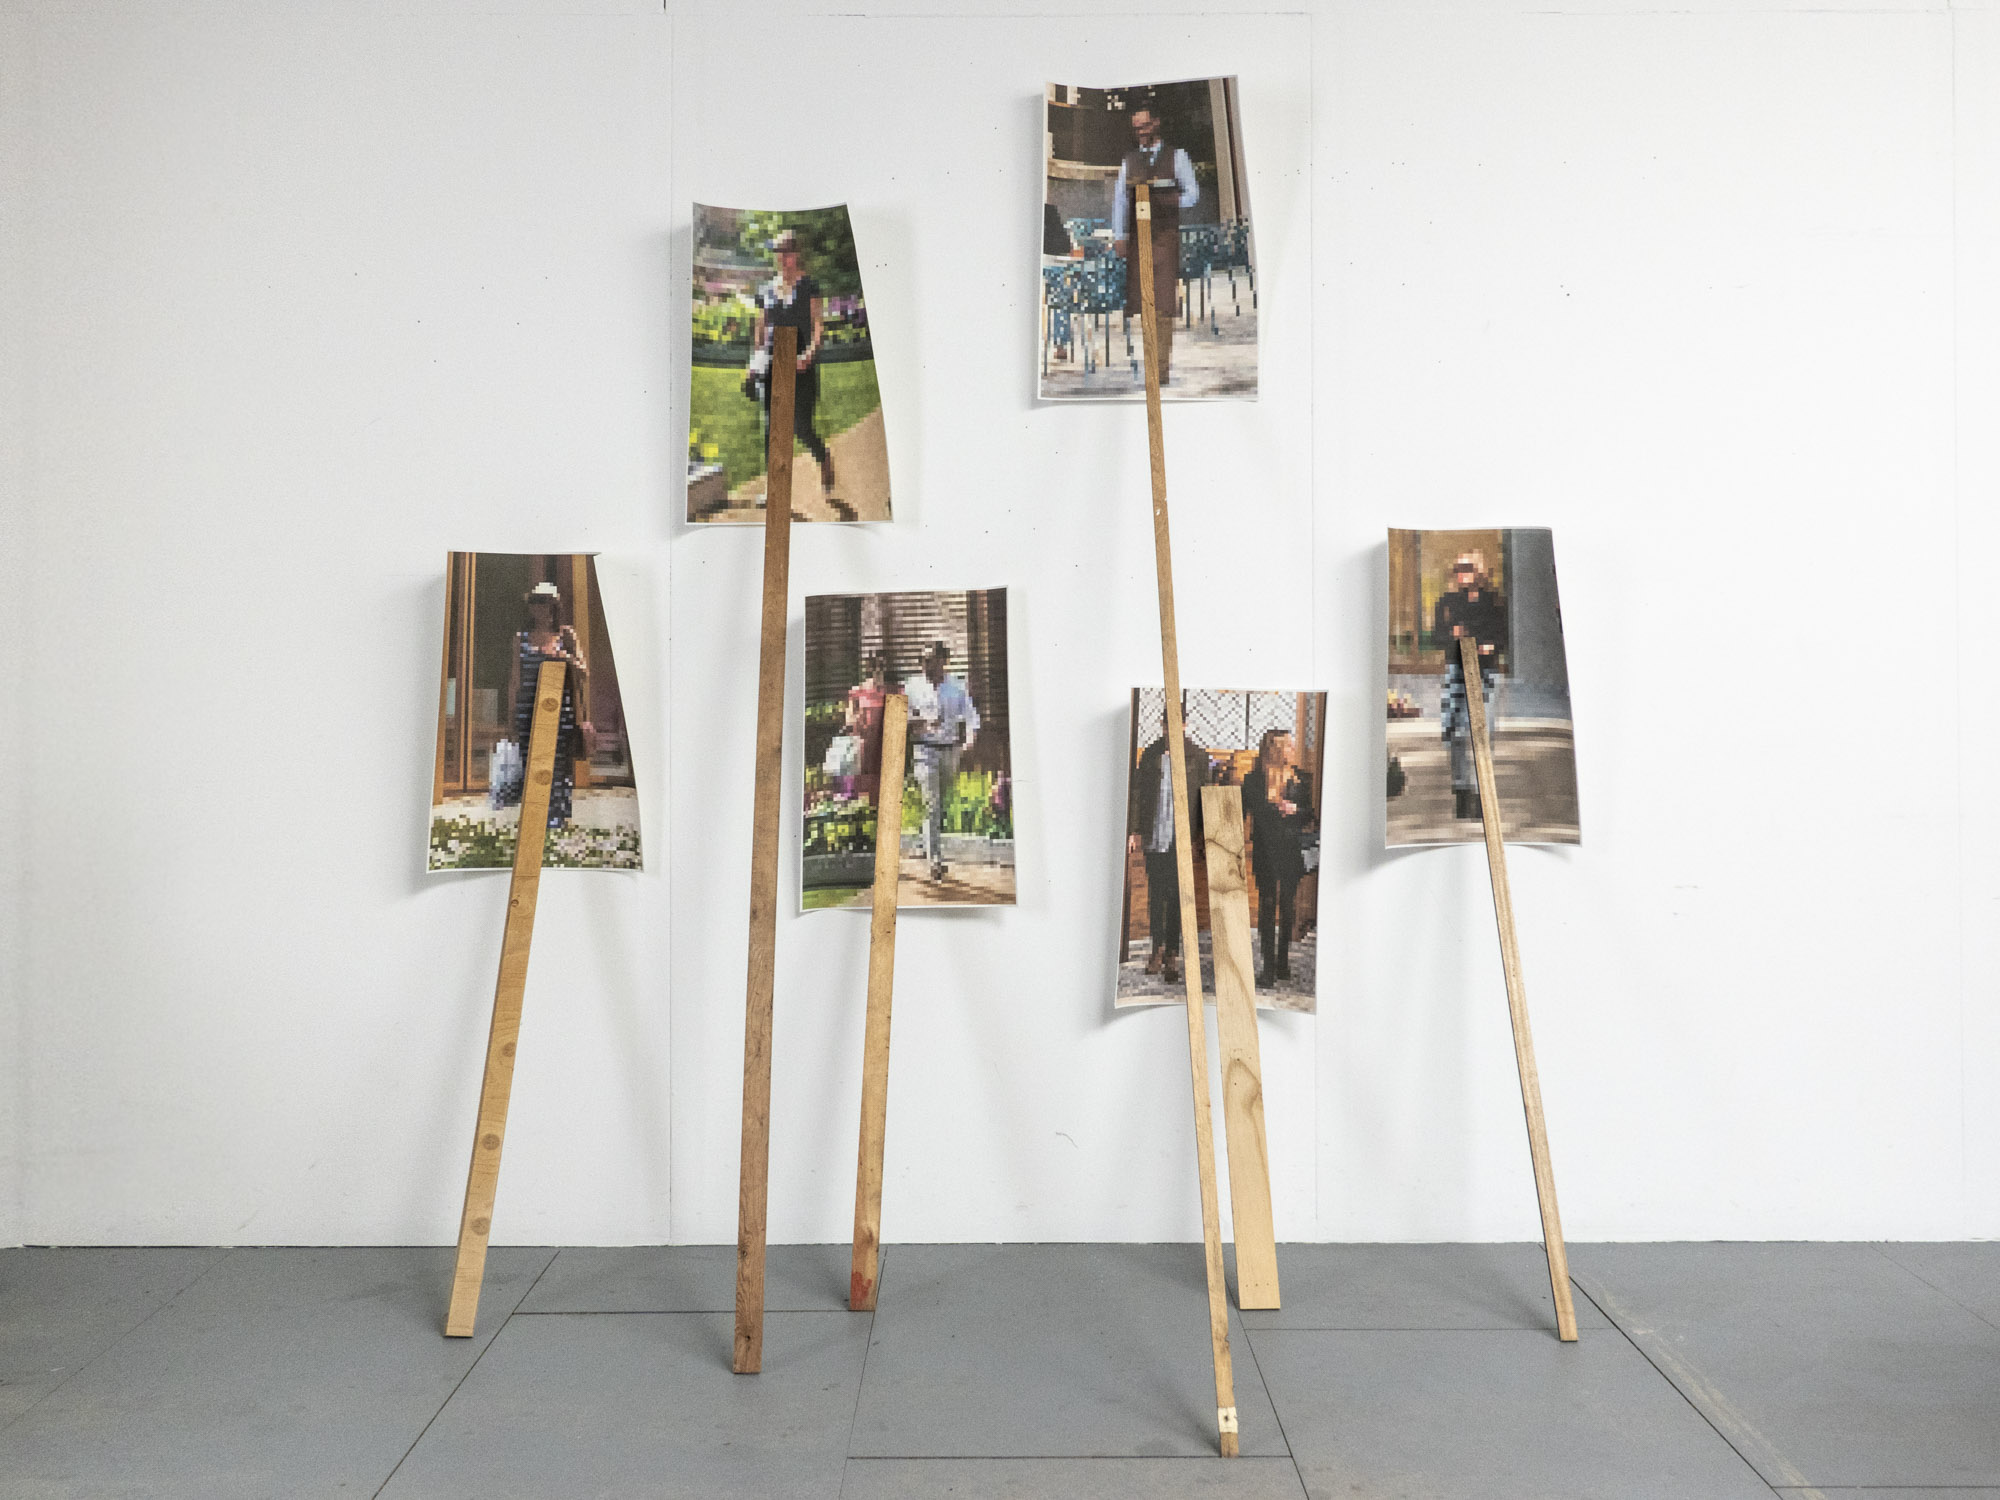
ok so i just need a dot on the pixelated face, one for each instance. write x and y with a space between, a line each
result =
934 667
1146 126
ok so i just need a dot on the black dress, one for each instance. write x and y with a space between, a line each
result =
564 781
795 311
1276 859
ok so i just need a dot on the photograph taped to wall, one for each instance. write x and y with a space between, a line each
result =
1499 587
1273 746
756 271
1185 140
505 614
947 652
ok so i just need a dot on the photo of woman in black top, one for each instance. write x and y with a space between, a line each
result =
1277 809
791 299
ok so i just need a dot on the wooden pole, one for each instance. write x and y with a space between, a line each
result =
867 1265
482 1180
1242 1069
754 1188
1204 1131
1517 996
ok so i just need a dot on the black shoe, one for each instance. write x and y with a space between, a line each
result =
1284 968
1264 979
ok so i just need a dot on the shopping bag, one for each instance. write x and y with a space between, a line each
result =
843 756
504 776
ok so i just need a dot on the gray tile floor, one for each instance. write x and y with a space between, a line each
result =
1704 1370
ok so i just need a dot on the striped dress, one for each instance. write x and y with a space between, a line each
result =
564 781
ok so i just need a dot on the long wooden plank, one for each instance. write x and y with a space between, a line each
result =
482 1179
754 1186
1242 1067
866 1271
1204 1130
1517 997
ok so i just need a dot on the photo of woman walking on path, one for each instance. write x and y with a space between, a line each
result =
757 271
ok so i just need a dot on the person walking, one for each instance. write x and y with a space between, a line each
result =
1167 168
1277 807
1149 830
943 723
865 702
792 299
547 639
1473 608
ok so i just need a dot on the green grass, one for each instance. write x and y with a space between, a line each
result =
723 415
826 897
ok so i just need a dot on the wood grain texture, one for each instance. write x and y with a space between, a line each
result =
1204 1130
1517 998
1242 1068
482 1180
867 1265
754 1185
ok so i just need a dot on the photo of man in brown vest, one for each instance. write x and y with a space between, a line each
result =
1170 173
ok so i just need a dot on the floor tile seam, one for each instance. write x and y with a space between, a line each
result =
1208 1457
1067 1458
861 1381
1538 1328
118 1338
679 1313
1803 1490
1276 1416
458 1385
1919 1275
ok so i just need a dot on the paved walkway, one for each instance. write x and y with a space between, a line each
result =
860 463
1137 987
1534 765
1205 365
1703 1372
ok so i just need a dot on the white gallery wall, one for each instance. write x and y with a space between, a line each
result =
294 299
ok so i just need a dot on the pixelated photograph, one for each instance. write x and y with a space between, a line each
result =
1271 744
953 797
1185 142
507 613
1498 588
756 271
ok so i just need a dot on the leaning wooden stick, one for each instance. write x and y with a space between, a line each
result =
482 1180
753 1190
1204 1132
1242 1070
1517 996
867 1268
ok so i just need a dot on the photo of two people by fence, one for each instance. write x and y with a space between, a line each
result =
946 653
505 615
755 272
1497 588
1184 141
1272 746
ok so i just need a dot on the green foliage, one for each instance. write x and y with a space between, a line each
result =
733 423
835 824
826 239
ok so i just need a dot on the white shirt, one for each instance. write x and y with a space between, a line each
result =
1163 810
1183 178
948 705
